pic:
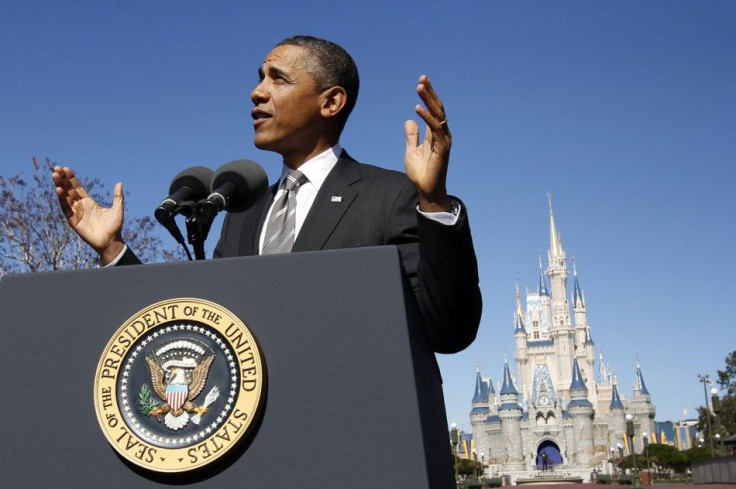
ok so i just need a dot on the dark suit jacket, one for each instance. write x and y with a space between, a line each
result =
378 207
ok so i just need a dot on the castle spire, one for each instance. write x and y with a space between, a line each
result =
639 382
542 282
616 399
519 315
481 392
577 384
555 241
588 338
508 386
604 375
577 295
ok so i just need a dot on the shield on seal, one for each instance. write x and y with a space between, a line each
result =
176 395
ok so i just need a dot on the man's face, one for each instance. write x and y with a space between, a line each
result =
286 116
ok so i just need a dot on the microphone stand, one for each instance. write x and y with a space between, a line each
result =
198 222
165 217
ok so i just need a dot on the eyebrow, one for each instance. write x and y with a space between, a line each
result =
274 72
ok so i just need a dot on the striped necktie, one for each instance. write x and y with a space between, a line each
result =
281 226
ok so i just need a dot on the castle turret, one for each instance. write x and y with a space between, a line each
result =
616 419
580 410
510 414
641 409
481 408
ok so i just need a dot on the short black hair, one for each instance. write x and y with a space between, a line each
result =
330 65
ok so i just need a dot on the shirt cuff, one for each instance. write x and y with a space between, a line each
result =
117 258
446 218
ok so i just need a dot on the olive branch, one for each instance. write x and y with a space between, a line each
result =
146 404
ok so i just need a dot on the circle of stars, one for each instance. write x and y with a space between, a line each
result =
177 441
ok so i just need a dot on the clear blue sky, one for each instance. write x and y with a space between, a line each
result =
624 111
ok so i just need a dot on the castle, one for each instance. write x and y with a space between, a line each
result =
556 415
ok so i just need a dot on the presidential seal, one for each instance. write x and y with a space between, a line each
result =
178 385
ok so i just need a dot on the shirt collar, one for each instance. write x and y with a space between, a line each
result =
317 168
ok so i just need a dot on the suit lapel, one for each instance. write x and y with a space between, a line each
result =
251 232
332 201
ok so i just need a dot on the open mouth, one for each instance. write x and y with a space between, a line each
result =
259 115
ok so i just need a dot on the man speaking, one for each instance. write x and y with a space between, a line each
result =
325 199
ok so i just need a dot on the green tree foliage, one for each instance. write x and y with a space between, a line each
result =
630 462
697 454
34 234
721 417
467 469
727 377
726 417
665 458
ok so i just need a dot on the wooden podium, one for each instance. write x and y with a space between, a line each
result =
353 396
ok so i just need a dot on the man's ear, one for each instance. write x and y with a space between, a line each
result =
333 101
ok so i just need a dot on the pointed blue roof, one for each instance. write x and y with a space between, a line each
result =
519 326
577 295
640 378
542 282
615 399
481 389
508 383
588 338
577 378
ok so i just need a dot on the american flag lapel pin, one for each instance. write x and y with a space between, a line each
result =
336 198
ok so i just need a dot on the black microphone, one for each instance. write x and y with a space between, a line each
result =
188 187
234 186
237 185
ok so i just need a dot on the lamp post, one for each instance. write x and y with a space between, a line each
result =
645 440
475 464
455 440
705 379
482 465
613 456
630 434
715 403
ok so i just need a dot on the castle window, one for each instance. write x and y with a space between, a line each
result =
536 335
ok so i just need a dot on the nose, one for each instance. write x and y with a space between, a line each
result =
259 94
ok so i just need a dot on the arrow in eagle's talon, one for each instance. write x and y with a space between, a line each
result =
212 395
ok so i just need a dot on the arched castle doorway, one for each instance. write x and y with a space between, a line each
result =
548 452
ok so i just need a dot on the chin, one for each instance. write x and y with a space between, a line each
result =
260 143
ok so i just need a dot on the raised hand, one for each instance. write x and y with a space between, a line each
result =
426 163
101 227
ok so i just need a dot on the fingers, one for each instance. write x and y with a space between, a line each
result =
65 191
411 130
67 183
434 114
117 197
